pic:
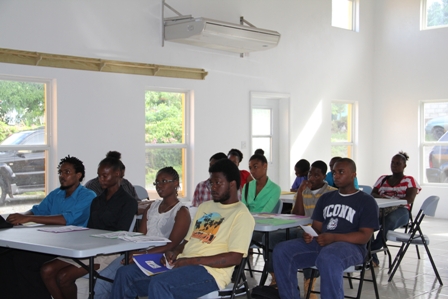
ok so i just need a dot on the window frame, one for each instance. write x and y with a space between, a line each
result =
186 145
353 128
423 143
424 17
49 93
354 17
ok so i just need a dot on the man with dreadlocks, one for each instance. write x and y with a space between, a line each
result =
67 205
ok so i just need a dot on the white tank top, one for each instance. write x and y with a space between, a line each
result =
161 224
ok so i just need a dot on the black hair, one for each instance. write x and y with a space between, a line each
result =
218 156
236 152
259 151
320 165
350 162
403 155
77 164
112 160
228 169
303 165
169 171
260 158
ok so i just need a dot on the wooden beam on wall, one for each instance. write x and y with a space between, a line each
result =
99 65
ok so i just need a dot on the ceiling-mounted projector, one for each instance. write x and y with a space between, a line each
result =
219 35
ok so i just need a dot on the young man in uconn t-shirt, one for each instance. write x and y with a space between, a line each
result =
344 221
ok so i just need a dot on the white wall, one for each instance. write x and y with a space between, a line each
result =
410 66
314 63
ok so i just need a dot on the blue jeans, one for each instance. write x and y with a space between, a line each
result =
102 287
395 219
181 283
331 260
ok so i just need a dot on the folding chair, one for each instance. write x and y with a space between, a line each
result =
142 193
414 236
365 188
239 285
366 265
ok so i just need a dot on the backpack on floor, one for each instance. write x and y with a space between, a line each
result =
265 292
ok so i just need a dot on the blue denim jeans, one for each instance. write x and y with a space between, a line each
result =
331 260
103 288
181 283
395 219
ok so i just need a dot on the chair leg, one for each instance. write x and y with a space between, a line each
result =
400 256
432 263
418 252
249 268
308 294
375 286
350 283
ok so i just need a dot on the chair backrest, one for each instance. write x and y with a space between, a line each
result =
429 206
132 227
278 207
365 188
142 193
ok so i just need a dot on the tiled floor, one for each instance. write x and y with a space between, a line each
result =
414 279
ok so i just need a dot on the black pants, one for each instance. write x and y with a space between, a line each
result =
20 274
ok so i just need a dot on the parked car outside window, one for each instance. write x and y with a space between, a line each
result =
436 127
438 162
22 170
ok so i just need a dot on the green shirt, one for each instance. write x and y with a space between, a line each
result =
265 201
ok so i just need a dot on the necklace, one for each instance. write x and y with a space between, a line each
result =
164 210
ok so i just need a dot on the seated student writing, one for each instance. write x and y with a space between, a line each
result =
217 240
113 210
344 221
162 218
261 194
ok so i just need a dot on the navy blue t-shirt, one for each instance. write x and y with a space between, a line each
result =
341 214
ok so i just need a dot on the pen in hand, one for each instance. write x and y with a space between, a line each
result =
167 263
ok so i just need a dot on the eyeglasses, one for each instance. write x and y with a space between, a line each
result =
162 182
217 183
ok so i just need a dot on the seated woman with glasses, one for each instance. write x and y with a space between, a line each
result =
399 186
163 218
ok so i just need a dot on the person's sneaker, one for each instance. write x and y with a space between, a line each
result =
375 261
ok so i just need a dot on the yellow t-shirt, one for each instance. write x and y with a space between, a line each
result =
219 228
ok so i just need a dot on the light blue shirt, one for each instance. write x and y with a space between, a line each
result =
75 208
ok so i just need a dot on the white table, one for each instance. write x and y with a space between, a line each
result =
266 228
287 198
76 244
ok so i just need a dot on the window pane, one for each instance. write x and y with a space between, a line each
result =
265 144
436 13
341 124
436 161
22 122
342 14
261 121
164 115
159 158
436 120
341 151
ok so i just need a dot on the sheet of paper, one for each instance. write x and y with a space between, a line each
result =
29 224
144 238
62 229
309 230
115 235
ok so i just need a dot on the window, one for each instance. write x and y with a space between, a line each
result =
23 143
165 135
342 141
434 144
344 14
434 14
262 131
